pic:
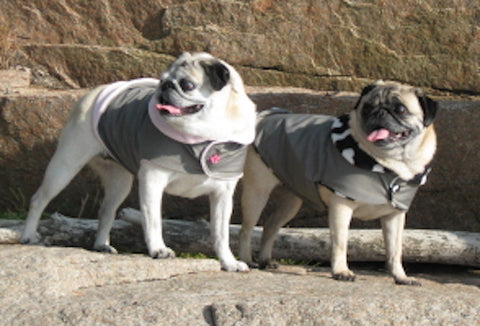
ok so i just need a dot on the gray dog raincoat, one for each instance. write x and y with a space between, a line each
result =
124 124
305 150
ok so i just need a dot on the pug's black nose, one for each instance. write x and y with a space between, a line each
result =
167 85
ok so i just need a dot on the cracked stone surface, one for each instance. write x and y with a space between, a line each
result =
323 45
72 286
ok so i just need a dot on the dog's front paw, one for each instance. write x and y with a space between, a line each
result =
347 275
235 266
105 248
269 264
253 264
162 253
30 238
407 281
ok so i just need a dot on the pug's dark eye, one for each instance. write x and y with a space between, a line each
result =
400 109
187 85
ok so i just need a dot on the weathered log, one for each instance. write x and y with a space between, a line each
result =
306 244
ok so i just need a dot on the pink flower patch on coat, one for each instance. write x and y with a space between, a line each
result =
214 159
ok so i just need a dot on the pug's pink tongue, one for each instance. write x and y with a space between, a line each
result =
170 108
378 134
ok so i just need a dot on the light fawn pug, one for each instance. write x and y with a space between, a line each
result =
367 164
185 134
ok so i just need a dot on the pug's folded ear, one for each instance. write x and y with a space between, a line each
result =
365 90
429 107
217 73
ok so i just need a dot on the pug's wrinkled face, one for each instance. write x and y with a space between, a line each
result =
203 96
392 115
188 85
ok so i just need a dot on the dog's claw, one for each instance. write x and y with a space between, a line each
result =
268 265
30 239
237 266
163 253
349 277
253 265
407 281
25 241
106 248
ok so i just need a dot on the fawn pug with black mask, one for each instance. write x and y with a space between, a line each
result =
367 164
185 134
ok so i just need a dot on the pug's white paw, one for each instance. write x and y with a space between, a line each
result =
235 266
162 253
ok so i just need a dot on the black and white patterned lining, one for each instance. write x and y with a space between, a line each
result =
342 138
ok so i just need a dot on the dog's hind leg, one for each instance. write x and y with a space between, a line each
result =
258 182
74 150
253 200
117 182
76 146
287 206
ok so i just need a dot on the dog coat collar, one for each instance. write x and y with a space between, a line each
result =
162 125
300 151
126 130
111 91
